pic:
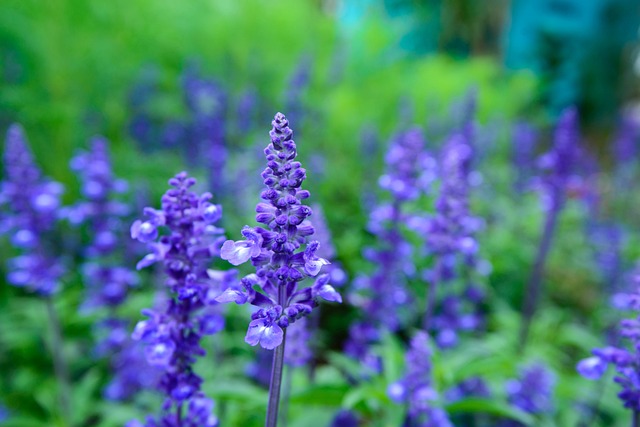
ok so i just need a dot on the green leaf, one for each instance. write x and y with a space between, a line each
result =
491 407
26 421
238 390
324 395
83 396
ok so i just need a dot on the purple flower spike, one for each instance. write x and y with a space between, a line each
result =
29 204
409 172
416 388
624 359
107 281
532 392
275 249
559 166
282 255
172 336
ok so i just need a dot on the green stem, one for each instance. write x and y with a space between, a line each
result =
59 364
534 286
286 395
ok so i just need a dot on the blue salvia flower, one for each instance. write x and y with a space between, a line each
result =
382 294
470 387
174 134
362 336
416 388
452 243
532 391
108 281
172 336
31 203
130 371
559 168
276 248
626 361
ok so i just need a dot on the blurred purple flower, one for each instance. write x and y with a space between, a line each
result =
624 360
31 206
172 336
416 387
532 392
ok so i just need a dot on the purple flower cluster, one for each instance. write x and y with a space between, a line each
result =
416 388
470 387
450 231
30 205
130 371
558 178
107 280
384 296
450 240
409 171
558 165
275 249
172 336
625 360
532 392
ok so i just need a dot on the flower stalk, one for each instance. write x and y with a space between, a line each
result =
60 367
